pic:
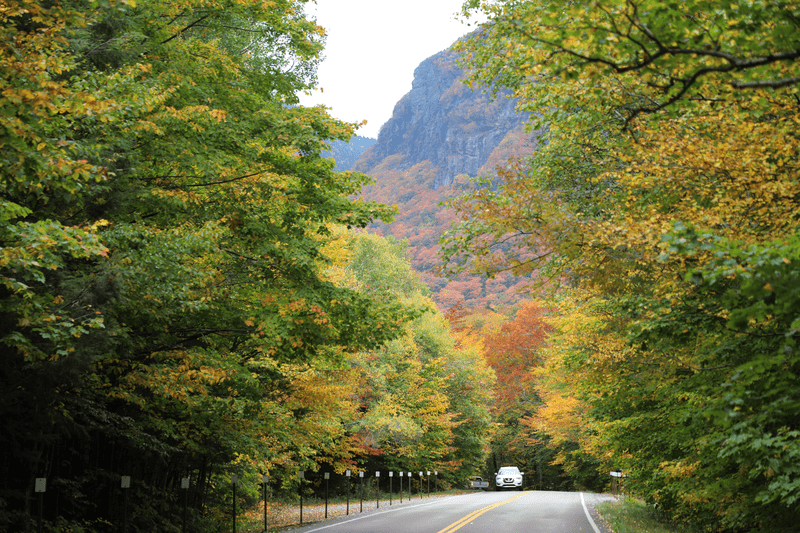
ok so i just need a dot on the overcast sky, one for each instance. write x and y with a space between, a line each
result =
372 49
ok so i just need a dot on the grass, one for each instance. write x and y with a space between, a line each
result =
629 515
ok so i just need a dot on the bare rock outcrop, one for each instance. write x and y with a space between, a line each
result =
444 122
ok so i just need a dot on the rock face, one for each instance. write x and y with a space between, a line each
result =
444 122
440 131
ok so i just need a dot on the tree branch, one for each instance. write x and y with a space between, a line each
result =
181 32
770 84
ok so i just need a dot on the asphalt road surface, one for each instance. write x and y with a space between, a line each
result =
494 512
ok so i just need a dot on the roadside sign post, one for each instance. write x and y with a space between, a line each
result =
401 487
391 474
265 482
436 481
420 485
327 480
409 486
429 483
616 477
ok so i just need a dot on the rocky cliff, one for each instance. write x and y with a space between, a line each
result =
441 130
443 122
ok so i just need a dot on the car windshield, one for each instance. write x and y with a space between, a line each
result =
508 472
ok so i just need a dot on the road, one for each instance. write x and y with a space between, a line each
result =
496 512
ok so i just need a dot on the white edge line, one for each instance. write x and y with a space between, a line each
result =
588 516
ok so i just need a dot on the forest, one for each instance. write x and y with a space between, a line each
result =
192 291
187 291
662 211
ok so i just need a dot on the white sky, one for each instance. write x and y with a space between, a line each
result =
372 49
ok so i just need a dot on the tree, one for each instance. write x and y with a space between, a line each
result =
423 400
665 188
164 213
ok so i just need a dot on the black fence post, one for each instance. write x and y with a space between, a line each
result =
40 488
347 477
327 480
302 475
265 481
361 491
125 484
185 488
234 481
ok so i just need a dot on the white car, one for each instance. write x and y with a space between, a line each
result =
508 477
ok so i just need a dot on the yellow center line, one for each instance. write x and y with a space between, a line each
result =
475 514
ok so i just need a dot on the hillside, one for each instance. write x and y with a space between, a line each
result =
439 133
346 153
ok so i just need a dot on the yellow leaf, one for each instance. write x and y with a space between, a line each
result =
99 223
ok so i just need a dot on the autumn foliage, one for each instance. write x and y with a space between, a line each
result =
664 203
439 126
513 353
174 296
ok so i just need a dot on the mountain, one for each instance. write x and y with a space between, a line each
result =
439 131
346 153
443 122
